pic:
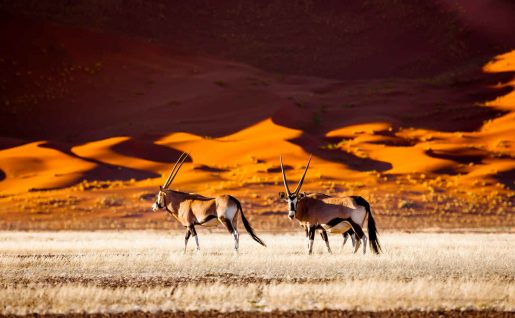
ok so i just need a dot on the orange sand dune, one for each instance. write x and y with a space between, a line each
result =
421 150
30 167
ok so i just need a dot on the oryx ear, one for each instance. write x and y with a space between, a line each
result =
282 195
302 195
161 187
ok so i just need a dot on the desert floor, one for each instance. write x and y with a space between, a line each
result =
146 272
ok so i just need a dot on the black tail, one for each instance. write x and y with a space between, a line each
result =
246 223
372 230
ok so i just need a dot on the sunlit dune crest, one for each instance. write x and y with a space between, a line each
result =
501 63
368 128
262 141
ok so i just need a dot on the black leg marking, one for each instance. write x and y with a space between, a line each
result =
311 232
186 238
228 225
194 234
356 228
326 240
323 234
349 232
192 230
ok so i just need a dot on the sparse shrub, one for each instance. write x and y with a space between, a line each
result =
406 204
111 201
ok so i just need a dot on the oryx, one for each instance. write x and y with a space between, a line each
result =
192 209
330 214
350 233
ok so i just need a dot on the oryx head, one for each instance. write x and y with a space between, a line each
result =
292 197
160 198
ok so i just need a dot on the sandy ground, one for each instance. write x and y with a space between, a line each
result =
300 314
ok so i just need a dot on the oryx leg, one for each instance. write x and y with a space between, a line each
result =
326 240
346 235
186 238
345 238
307 235
311 234
235 233
194 234
228 224
365 240
358 233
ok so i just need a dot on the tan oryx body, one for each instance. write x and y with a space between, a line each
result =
194 209
330 214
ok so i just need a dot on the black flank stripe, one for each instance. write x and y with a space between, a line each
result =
335 221
207 219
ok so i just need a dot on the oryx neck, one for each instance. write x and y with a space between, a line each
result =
173 199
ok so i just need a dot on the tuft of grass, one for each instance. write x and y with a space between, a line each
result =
111 201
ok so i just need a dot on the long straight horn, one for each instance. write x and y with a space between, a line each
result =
168 180
301 181
284 177
178 168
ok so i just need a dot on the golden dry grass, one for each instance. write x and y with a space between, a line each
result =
96 272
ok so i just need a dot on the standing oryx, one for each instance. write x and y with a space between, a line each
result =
331 214
194 209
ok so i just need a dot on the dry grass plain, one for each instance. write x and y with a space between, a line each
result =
143 272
